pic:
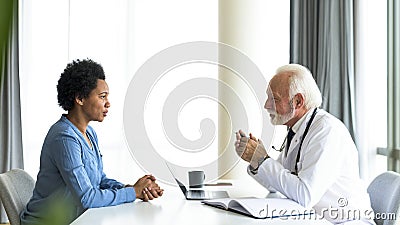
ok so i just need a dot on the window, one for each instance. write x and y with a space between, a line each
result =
371 84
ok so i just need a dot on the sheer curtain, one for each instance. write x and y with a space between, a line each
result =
10 115
370 25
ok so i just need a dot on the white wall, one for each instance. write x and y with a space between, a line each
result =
43 56
251 27
122 35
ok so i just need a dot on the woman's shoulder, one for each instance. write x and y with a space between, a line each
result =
62 128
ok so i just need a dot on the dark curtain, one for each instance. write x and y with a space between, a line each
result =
10 108
321 38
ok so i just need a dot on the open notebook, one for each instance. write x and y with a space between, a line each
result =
261 207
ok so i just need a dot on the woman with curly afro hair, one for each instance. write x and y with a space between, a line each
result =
71 177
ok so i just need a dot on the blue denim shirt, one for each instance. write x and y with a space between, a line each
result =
71 177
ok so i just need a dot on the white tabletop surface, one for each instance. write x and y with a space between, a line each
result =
172 208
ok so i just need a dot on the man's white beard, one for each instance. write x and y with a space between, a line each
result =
281 119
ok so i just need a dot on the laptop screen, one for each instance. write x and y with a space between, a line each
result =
181 185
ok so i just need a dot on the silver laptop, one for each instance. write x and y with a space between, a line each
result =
198 194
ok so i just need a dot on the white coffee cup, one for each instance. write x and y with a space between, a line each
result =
196 178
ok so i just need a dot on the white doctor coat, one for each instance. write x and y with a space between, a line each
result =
328 172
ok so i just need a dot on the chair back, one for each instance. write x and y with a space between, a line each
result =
16 188
384 192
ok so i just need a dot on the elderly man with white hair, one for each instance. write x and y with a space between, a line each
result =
318 163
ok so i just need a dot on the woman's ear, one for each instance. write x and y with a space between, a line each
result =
79 100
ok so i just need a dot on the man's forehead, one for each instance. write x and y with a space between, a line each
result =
279 85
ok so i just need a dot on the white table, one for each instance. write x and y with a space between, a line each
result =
172 208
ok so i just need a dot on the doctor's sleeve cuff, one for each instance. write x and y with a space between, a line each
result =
253 170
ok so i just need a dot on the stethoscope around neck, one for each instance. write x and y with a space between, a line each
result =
301 142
